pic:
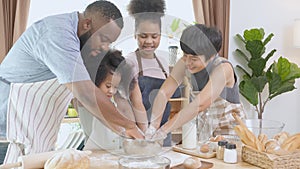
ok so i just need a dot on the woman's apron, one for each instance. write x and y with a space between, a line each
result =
220 111
35 112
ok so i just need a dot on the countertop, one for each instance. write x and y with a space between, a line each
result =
104 160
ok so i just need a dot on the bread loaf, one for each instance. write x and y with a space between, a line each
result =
281 137
292 143
192 163
69 159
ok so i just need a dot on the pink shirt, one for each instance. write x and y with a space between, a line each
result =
150 66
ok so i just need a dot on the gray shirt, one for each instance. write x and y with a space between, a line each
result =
50 48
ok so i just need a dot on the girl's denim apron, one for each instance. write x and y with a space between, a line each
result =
149 87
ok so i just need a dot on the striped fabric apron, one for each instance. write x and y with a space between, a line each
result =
34 114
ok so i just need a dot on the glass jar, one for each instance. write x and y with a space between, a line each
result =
189 135
220 149
204 127
230 153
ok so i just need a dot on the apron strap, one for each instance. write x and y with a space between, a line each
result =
160 65
139 59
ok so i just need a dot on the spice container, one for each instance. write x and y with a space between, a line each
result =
230 153
220 149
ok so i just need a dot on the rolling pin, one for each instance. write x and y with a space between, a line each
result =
31 161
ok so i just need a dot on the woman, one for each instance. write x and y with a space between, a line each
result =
211 75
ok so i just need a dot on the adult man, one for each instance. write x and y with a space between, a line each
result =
44 70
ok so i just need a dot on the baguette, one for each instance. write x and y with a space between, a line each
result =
247 137
238 120
292 143
281 137
259 146
263 138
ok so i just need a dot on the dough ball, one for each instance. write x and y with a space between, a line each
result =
69 159
192 163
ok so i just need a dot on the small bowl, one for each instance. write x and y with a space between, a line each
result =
141 148
268 127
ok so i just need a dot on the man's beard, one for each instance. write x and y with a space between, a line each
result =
84 38
91 62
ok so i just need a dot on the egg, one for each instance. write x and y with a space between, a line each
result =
204 148
219 138
192 163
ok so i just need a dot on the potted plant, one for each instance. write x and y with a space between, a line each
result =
257 78
72 111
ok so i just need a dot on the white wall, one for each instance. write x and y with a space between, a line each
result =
42 8
274 16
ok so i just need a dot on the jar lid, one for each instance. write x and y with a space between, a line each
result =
222 142
230 146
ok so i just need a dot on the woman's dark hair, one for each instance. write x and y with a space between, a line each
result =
106 9
114 62
147 10
201 40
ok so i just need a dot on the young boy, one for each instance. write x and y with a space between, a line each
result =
211 75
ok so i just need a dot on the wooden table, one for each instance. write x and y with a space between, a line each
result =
104 160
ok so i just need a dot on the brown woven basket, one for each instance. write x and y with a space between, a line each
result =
270 161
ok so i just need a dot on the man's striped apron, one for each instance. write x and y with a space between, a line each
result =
34 114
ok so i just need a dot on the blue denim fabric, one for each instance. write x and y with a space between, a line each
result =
149 87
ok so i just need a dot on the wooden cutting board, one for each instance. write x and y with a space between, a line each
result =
205 165
194 152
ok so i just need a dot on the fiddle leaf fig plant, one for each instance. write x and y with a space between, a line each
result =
278 78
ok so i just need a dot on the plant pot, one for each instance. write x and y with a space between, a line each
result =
268 127
72 112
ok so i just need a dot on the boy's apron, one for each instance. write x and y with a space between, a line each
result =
35 112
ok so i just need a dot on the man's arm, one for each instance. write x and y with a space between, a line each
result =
96 102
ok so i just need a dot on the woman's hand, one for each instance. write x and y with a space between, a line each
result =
160 134
150 131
